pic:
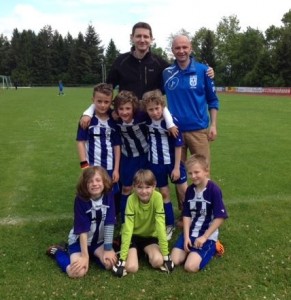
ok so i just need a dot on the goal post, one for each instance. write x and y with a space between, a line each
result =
5 82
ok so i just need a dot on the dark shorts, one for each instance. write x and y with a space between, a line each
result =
140 242
129 166
206 252
163 172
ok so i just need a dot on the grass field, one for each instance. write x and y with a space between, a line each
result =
251 162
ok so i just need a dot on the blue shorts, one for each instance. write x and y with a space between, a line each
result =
206 252
129 166
163 172
76 248
116 188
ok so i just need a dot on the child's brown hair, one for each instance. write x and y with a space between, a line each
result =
87 174
155 96
124 97
103 88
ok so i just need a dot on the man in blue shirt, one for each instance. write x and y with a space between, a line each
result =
191 98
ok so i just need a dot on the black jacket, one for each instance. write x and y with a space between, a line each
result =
137 75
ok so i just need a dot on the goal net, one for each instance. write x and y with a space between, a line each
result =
5 82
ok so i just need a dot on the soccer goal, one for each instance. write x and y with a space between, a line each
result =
5 82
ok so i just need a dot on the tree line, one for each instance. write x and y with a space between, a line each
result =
249 58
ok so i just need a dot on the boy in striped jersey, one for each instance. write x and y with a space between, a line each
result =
99 144
164 154
203 213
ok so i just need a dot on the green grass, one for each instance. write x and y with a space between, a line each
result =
39 169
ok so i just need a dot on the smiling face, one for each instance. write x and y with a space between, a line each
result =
181 49
198 175
144 192
95 186
125 112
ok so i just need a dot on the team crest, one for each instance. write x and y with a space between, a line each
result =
193 81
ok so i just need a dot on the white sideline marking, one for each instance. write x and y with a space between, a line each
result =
32 219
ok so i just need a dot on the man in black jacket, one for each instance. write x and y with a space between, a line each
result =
139 70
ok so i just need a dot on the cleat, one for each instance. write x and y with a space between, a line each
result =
51 251
219 248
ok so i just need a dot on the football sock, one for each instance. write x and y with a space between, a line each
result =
169 213
63 259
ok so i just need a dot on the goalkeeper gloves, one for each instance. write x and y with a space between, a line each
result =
119 269
168 265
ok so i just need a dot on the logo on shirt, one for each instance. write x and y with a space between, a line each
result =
193 80
172 84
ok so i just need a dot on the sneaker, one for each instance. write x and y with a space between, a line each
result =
219 248
51 251
169 230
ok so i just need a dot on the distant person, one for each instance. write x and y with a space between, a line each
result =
61 88
203 213
94 221
164 154
16 84
144 228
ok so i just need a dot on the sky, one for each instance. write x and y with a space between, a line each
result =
113 19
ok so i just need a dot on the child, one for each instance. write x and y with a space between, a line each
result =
99 144
144 227
94 220
134 148
203 213
164 154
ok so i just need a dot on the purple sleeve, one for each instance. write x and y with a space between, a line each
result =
219 210
82 221
82 135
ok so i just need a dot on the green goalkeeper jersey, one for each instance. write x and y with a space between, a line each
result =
145 220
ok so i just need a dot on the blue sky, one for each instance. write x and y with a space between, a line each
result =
114 18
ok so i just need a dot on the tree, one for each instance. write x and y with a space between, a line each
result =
111 54
6 60
159 51
80 62
42 57
95 52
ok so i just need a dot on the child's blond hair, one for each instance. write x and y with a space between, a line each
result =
146 177
197 158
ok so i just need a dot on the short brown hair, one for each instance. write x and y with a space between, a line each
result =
142 25
143 176
87 174
155 96
125 97
103 88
